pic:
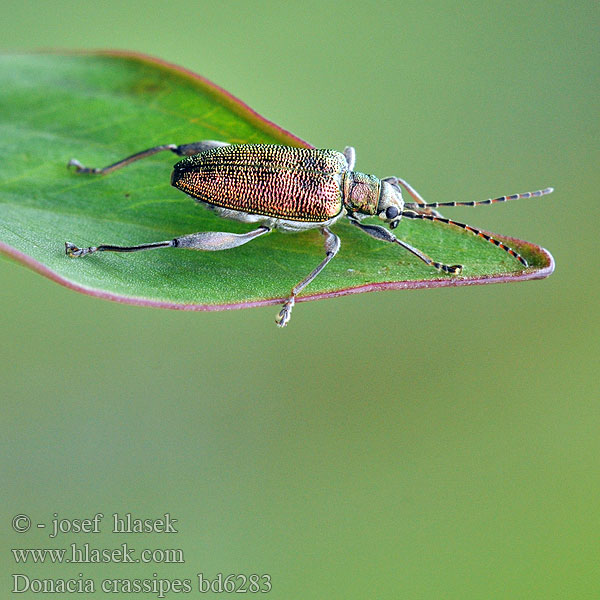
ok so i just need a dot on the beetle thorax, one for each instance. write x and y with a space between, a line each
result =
361 192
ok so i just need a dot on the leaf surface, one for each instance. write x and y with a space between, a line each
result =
102 107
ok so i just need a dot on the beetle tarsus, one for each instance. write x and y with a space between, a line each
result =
452 269
282 319
79 168
73 251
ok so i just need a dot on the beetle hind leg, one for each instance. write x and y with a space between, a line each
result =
332 245
204 240
181 150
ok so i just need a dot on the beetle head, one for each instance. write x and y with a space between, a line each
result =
390 204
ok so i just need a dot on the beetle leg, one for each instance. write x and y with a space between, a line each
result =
332 245
197 147
350 154
207 240
381 233
182 150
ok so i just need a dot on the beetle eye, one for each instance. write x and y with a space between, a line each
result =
391 212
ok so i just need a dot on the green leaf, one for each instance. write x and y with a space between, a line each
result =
102 107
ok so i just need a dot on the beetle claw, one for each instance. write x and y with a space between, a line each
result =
71 250
75 163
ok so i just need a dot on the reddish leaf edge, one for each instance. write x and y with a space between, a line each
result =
244 110
231 101
530 274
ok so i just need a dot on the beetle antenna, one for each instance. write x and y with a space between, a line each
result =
415 215
415 205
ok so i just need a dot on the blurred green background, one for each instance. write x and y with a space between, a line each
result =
426 444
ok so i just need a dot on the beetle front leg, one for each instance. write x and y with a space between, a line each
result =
204 240
182 150
381 233
332 245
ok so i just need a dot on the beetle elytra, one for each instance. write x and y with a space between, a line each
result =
290 189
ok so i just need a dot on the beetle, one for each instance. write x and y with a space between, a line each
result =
290 189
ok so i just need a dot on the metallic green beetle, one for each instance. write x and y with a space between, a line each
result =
290 189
